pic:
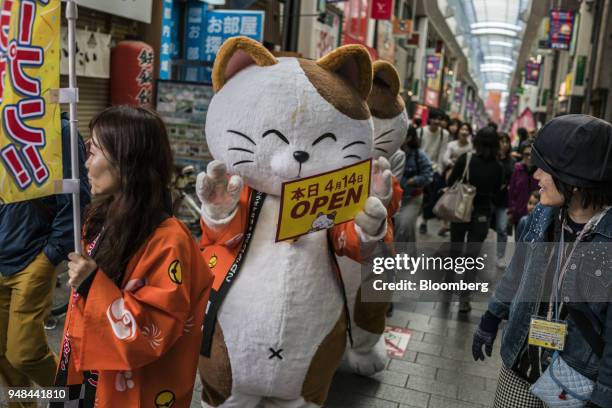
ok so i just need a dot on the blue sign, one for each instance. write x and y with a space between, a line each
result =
169 47
206 30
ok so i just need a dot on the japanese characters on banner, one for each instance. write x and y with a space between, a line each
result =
319 202
30 138
170 44
402 28
207 29
561 28
382 9
386 42
532 73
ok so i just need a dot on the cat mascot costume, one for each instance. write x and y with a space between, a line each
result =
276 326
368 355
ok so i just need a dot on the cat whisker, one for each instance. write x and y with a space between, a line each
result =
384 133
352 144
382 150
242 162
383 142
240 149
352 156
242 135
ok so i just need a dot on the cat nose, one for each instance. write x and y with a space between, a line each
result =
300 156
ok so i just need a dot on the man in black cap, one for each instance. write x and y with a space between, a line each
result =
569 289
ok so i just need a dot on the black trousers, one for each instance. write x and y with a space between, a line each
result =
476 232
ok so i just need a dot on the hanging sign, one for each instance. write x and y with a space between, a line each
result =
382 9
319 202
532 73
30 135
432 66
561 28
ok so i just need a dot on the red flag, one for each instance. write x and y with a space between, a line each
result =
382 9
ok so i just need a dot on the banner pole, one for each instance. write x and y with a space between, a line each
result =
71 17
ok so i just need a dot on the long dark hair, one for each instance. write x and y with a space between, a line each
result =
506 137
412 139
486 143
135 142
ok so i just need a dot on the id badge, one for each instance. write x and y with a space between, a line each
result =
547 334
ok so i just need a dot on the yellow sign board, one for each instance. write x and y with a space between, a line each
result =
322 201
30 135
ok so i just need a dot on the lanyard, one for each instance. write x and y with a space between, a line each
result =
216 297
560 272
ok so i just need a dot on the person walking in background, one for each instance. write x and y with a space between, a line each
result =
521 185
486 174
417 174
35 236
433 139
453 129
454 149
522 136
500 200
534 200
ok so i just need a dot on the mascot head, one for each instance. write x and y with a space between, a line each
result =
388 110
273 120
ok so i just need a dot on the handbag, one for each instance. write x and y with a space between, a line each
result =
457 203
560 386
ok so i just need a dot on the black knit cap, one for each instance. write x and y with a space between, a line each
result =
576 149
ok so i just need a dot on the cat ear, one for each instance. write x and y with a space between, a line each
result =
236 54
353 63
386 75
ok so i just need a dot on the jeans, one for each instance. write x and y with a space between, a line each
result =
501 227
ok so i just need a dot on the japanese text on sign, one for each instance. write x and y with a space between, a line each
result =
320 202
30 149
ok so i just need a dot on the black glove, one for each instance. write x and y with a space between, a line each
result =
485 335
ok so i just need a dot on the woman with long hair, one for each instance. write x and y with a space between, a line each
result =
486 174
139 290
521 185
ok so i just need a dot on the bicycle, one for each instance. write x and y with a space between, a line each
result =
184 206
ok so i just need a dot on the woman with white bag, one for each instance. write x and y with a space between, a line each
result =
557 344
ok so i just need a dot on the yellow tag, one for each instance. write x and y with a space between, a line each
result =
547 334
322 201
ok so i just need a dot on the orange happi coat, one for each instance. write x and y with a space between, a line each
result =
392 208
143 339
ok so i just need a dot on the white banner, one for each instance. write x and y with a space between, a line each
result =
133 9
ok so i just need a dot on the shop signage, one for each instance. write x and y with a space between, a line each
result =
206 31
532 73
169 48
382 9
30 135
139 10
561 28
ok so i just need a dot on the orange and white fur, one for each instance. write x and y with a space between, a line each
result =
272 120
368 354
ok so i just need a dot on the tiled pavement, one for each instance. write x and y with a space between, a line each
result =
437 370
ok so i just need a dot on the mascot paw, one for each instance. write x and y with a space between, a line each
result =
373 219
218 193
382 180
366 362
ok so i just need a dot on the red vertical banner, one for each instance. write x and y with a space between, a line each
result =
382 9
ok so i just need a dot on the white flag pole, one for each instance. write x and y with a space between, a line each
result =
71 16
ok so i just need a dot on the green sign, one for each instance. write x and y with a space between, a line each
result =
580 68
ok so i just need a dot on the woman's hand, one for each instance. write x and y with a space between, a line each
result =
79 268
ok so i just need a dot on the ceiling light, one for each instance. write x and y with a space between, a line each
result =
496 86
494 31
495 24
498 58
502 44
